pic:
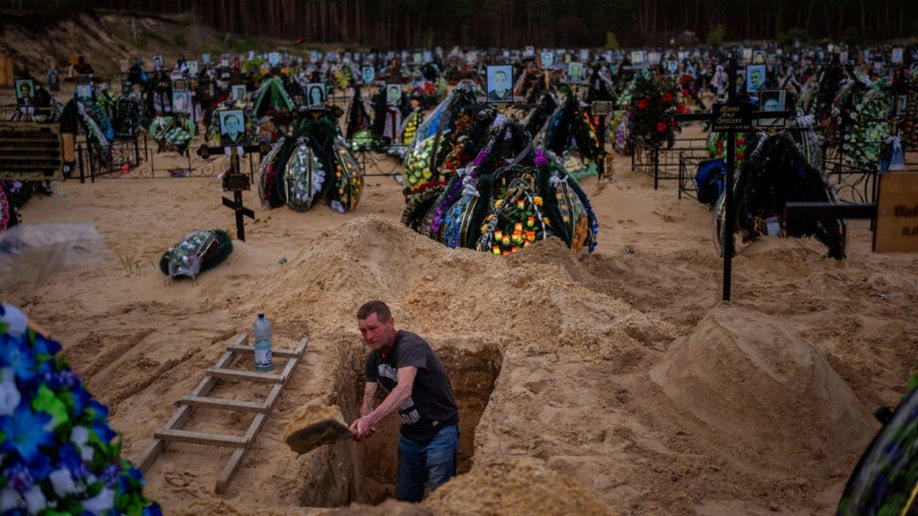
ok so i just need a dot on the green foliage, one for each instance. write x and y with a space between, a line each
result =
240 44
592 23
178 39
716 36
130 265
48 6
850 36
794 34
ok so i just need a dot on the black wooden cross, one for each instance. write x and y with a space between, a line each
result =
236 181
731 117
601 109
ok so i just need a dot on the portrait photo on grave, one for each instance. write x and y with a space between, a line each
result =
637 58
393 94
192 67
755 78
548 59
672 66
54 81
758 57
232 126
157 62
84 92
900 106
772 100
239 94
500 80
25 91
574 72
747 55
368 74
315 94
181 102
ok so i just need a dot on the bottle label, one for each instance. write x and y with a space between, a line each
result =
263 359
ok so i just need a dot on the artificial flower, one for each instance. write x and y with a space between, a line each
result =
654 102
58 454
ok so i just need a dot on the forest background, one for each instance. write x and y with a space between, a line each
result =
399 24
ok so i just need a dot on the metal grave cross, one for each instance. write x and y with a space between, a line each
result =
731 117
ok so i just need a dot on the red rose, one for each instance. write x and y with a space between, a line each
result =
642 104
667 97
661 126
681 108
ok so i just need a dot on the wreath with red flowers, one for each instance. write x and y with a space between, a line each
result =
654 101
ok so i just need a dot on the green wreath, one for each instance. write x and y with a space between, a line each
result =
197 252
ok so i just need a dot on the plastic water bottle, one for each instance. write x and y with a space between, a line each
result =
262 331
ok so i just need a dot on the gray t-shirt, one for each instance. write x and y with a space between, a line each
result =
432 404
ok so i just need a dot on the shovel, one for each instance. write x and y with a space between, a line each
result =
315 425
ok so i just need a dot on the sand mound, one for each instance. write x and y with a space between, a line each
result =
751 376
542 291
517 487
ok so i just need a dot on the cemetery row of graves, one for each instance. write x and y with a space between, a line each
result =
490 148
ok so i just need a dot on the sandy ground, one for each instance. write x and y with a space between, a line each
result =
588 383
611 382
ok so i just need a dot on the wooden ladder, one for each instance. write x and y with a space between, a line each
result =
172 431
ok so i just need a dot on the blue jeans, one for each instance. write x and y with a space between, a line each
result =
434 462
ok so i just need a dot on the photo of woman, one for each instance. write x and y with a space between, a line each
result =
315 94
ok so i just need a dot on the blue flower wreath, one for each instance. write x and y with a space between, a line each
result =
58 454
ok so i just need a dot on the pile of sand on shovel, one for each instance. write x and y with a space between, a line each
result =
312 426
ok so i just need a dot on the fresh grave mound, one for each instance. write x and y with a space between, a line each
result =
517 487
750 376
